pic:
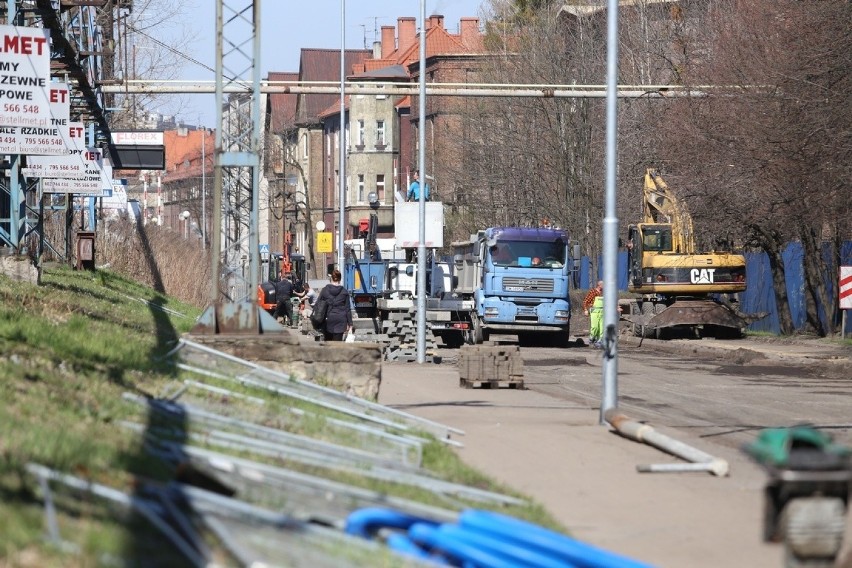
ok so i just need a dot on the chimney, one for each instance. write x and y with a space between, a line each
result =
407 29
388 41
469 31
377 50
435 21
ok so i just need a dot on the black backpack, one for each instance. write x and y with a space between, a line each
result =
319 313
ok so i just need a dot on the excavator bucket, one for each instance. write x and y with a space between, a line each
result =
703 314
697 312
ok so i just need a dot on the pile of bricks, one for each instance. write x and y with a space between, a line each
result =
398 337
491 366
401 330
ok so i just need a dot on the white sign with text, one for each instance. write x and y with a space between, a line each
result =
70 165
24 76
42 140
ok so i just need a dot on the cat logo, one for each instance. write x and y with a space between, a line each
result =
701 275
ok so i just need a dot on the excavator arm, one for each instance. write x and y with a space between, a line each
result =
661 206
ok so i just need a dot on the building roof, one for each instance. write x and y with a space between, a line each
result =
282 106
184 152
400 46
334 109
383 73
322 65
438 42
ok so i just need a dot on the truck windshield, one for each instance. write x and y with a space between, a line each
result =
529 254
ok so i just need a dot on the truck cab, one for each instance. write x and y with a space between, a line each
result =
519 278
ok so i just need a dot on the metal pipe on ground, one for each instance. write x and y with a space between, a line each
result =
646 434
674 467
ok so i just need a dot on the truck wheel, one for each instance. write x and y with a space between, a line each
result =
479 333
469 337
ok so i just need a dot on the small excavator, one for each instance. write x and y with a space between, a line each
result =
680 289
270 271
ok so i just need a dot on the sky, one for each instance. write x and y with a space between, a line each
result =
286 26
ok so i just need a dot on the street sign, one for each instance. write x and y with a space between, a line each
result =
324 243
264 249
846 287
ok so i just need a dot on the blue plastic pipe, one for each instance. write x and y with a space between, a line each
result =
544 540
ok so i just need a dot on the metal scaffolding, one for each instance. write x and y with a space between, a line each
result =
80 56
235 245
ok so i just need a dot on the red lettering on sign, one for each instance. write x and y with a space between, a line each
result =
75 131
58 95
24 45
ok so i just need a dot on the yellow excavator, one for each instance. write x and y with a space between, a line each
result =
681 291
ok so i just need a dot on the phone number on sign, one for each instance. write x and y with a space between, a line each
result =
15 107
44 141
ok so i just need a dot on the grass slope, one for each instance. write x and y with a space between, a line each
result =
70 348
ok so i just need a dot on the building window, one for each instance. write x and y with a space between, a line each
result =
380 133
360 188
361 133
380 187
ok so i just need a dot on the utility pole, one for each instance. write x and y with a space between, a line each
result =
235 255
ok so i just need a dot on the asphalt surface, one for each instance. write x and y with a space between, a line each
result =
556 450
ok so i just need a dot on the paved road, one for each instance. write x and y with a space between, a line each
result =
547 442
720 390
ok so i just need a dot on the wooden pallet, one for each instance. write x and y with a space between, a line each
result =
491 383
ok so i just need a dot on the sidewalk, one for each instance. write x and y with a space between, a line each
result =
585 475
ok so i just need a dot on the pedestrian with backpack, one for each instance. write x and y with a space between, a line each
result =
338 313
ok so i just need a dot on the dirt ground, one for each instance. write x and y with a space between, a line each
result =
560 454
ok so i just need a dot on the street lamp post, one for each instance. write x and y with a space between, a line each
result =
184 217
341 228
204 187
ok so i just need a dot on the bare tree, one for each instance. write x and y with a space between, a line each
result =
153 39
768 156
528 160
531 160
761 162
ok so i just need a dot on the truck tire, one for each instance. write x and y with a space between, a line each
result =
480 334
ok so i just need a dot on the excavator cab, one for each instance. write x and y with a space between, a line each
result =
656 238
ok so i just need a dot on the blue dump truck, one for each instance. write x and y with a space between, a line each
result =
519 279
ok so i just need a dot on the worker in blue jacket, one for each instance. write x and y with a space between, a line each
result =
414 188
